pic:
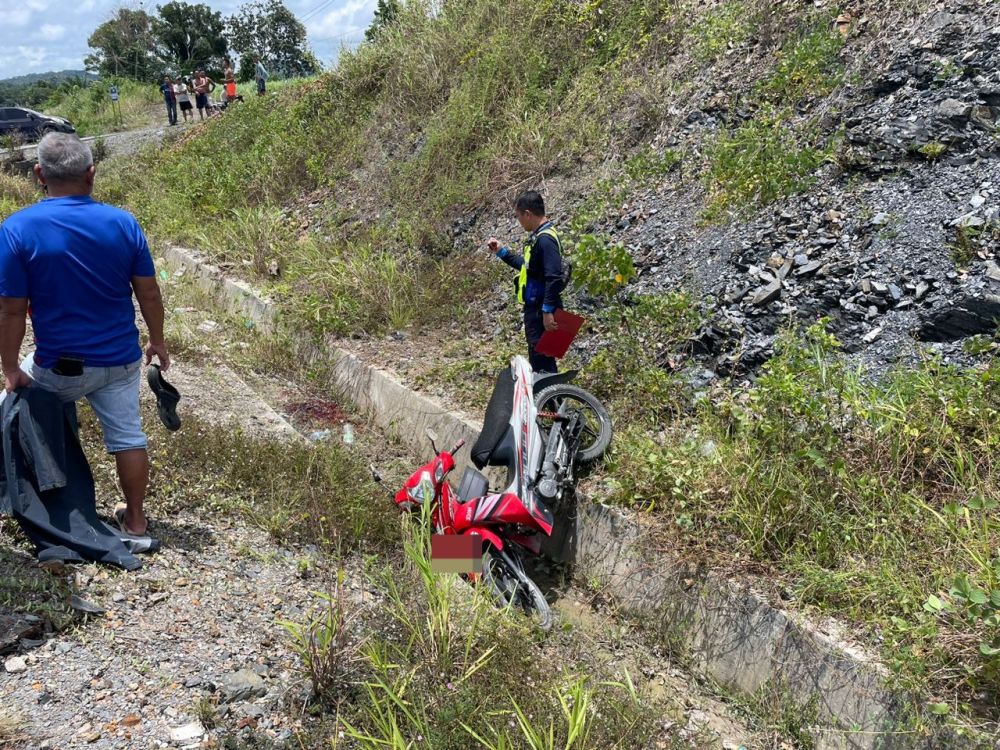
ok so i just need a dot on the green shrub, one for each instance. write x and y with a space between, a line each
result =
868 495
633 371
932 151
807 66
600 267
721 29
764 159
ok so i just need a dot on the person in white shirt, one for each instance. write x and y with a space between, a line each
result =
183 94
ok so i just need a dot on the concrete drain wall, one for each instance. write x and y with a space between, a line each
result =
723 629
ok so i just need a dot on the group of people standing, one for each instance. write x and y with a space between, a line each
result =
177 94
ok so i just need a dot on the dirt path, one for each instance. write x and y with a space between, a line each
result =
191 648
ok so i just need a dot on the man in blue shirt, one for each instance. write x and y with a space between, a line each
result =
540 274
76 263
169 98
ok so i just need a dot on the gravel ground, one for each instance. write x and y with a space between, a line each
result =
198 627
201 610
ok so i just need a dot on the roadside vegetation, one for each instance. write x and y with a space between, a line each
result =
441 115
874 501
443 668
419 659
90 109
867 499
15 192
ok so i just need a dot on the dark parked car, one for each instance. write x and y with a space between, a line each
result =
27 123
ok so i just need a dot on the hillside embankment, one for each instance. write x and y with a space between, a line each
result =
783 224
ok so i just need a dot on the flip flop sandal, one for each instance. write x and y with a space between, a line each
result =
120 520
166 398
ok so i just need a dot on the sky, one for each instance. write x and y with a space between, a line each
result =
42 35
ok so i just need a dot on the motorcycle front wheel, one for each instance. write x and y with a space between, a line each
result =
510 586
595 436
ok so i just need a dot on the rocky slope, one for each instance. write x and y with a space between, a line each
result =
894 242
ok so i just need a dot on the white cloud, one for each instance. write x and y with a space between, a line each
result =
32 57
346 22
52 32
17 17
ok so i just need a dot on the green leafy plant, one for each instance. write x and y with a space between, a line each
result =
645 339
947 69
807 66
969 239
601 267
720 29
764 159
330 654
932 151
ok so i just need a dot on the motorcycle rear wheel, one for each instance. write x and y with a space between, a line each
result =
597 430
511 586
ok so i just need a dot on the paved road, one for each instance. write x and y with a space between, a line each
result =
123 142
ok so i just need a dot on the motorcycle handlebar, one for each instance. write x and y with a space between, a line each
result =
458 447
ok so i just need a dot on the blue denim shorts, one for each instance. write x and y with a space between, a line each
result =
113 394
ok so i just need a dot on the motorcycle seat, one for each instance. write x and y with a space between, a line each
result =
474 484
496 422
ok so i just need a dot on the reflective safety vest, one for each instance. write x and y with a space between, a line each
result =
522 277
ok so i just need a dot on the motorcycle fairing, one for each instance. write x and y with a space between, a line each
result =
527 443
498 510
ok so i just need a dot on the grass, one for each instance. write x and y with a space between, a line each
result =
807 65
773 708
835 484
15 193
12 733
90 109
722 30
970 241
764 159
865 497
319 494
932 151
444 114
447 670
27 589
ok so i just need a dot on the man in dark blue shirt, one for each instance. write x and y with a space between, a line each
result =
169 98
77 263
540 274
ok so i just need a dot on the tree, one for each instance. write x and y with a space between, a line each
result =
125 46
268 29
385 14
190 36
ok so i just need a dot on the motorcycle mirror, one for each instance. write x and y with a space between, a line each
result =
432 436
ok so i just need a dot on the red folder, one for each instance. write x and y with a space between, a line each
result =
556 343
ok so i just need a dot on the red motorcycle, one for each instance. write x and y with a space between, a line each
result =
540 429
498 519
